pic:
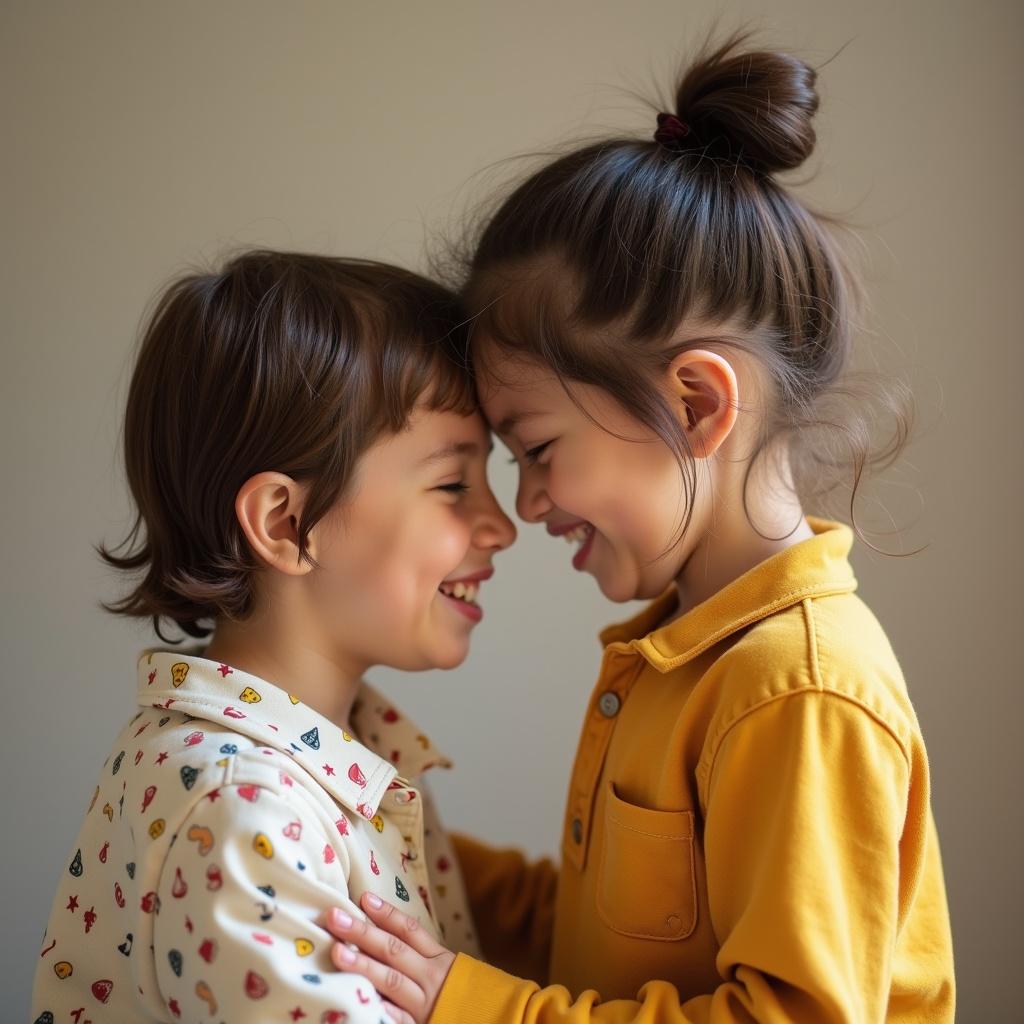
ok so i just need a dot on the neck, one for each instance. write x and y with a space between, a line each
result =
282 650
733 536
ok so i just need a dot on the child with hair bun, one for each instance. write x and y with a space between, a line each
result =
662 337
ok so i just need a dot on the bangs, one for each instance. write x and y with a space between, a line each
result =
535 311
417 348
434 374
533 315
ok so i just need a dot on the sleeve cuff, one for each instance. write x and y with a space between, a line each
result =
476 993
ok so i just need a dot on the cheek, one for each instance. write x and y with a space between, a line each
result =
652 495
598 479
633 492
425 548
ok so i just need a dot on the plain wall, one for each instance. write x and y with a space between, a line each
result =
140 137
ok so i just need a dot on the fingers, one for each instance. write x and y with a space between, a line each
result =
401 925
375 942
394 986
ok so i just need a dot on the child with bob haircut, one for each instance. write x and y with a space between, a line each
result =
308 463
662 337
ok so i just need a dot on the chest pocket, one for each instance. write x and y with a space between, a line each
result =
645 886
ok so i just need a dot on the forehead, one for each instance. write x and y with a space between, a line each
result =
429 437
508 383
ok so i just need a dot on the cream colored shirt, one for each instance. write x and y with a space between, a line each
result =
227 818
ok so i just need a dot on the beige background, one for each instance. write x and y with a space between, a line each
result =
138 137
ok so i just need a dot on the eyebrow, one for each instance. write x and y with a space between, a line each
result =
513 419
468 448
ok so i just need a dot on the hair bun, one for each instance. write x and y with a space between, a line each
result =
751 106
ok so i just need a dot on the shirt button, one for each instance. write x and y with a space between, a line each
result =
577 830
609 704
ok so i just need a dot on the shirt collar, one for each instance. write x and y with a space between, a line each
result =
812 568
357 774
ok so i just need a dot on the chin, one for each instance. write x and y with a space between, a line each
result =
616 591
452 658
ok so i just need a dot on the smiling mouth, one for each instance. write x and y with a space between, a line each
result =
461 596
465 592
582 534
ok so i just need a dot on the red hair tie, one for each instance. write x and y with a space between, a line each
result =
672 133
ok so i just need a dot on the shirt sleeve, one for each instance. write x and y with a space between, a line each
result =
236 937
809 866
513 905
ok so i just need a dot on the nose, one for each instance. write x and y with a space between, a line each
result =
532 501
492 529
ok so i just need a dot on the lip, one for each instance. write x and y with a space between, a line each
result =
473 612
564 528
476 577
581 556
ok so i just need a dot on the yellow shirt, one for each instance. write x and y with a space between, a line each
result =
748 834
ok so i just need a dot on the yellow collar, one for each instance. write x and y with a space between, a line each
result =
812 568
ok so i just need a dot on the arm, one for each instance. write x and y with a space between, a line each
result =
236 936
812 860
513 905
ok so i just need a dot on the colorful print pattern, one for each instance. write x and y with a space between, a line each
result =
226 820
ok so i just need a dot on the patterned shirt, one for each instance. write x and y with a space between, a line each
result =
227 819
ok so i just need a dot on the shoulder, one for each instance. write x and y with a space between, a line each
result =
184 764
832 646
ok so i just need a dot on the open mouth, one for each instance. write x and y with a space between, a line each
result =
460 591
462 597
582 534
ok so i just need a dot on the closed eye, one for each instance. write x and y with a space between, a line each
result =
533 454
457 488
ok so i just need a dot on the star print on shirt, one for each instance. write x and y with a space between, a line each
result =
213 861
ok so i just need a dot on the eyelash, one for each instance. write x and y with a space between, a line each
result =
533 454
456 488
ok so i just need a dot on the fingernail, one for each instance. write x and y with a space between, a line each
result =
375 901
346 954
340 919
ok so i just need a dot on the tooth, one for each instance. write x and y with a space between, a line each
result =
471 590
459 590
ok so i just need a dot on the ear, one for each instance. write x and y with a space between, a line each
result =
703 384
268 507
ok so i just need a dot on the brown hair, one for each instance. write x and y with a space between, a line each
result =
650 233
278 361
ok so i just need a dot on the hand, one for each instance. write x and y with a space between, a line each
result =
402 962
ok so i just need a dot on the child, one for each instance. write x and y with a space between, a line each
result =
661 337
308 463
